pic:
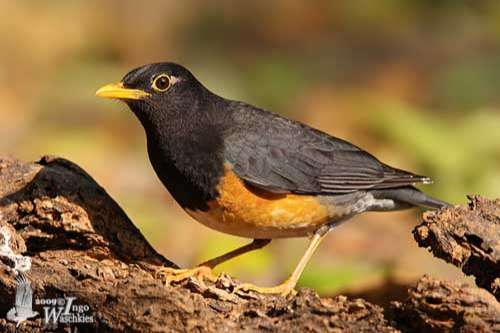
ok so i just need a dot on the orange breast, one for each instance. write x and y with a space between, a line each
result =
245 211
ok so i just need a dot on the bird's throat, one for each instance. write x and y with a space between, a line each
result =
189 164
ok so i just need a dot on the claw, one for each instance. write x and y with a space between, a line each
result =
283 289
172 275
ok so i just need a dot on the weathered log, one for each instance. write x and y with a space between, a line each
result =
72 240
467 237
437 306
80 243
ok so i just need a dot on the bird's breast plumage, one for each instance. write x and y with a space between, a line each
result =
246 211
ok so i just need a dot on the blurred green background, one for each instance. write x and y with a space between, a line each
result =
414 82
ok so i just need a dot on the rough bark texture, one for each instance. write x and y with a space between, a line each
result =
438 306
468 237
80 243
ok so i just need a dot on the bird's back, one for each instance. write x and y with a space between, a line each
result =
286 156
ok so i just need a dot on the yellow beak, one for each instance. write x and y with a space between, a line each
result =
118 91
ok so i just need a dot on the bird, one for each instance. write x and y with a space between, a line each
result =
23 307
248 172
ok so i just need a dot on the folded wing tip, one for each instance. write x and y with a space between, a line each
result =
427 180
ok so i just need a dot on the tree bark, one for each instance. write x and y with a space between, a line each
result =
439 306
62 230
467 237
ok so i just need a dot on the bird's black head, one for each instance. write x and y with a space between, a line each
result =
184 125
160 91
160 80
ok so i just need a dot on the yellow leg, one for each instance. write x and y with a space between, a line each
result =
255 245
289 284
204 270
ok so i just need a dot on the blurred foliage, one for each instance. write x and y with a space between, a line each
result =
331 279
415 82
463 154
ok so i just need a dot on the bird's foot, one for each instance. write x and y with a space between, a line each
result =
172 275
283 289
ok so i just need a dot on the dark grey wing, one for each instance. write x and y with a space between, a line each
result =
283 156
24 297
357 170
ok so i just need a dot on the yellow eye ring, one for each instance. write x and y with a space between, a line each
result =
161 83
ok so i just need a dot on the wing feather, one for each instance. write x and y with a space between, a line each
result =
284 156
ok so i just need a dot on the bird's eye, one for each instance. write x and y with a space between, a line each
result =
161 83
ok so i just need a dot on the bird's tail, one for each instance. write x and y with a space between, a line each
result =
410 196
